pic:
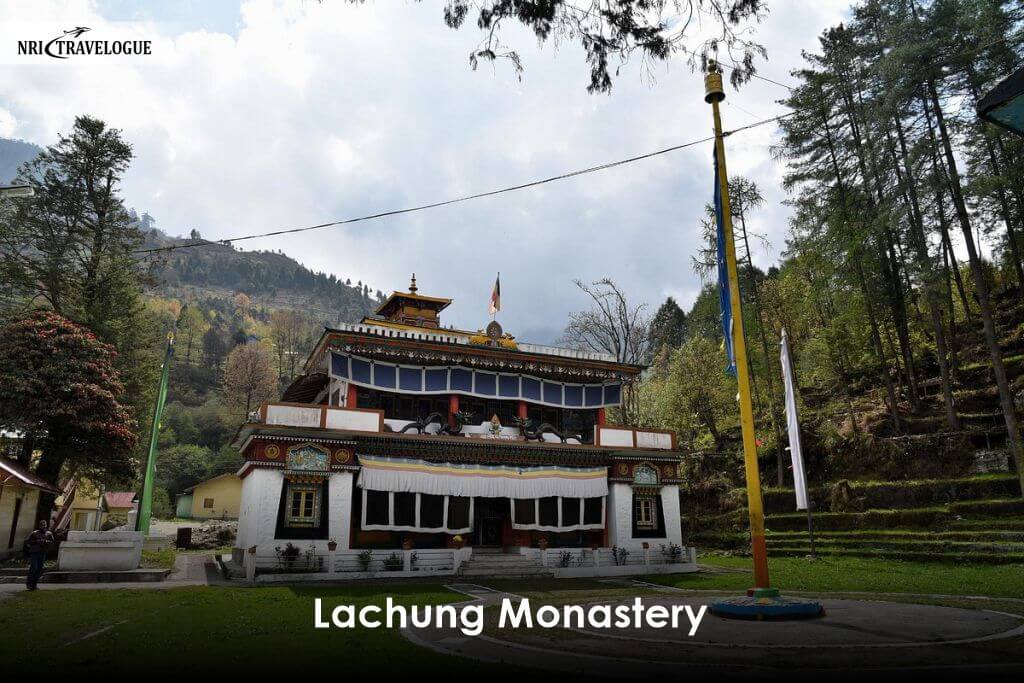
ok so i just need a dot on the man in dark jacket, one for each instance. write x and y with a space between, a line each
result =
38 542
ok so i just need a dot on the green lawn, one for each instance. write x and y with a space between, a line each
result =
211 629
860 574
215 629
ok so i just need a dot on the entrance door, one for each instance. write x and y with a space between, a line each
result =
14 522
491 514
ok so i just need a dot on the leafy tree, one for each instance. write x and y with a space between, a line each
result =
192 325
701 395
611 30
249 377
182 466
162 507
214 347
61 389
668 326
69 248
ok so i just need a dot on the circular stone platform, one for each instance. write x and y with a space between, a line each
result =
846 624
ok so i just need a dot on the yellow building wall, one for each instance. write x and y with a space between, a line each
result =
223 494
9 493
86 512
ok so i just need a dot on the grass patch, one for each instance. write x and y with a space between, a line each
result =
158 559
215 629
859 574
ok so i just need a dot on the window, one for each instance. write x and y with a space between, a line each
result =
525 511
303 506
302 511
570 512
460 512
547 511
406 511
376 508
208 503
646 512
431 511
556 513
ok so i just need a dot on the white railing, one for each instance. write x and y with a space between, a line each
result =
582 562
314 564
446 336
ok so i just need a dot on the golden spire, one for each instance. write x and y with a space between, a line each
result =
412 285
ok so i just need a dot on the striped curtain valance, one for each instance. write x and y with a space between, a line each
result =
489 481
454 379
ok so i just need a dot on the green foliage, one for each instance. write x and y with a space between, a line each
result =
690 393
62 390
668 327
182 466
162 507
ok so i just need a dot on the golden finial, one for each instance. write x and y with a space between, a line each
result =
412 285
713 90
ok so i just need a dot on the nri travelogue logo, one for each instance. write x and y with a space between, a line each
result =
71 44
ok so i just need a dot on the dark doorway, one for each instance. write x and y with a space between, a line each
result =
491 514
14 522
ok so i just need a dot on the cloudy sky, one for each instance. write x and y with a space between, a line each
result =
265 114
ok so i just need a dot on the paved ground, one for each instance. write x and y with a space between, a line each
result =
855 635
190 569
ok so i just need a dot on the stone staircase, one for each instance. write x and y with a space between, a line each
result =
495 562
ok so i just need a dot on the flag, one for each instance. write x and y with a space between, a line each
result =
146 502
724 297
496 296
793 426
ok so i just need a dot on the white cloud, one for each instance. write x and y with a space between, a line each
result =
8 125
320 111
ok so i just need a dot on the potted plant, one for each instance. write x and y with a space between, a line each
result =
646 545
332 545
542 542
458 541
364 558
406 544
393 563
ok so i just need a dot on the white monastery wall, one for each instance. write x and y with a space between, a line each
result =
620 517
339 500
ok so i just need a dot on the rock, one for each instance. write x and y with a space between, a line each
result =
214 533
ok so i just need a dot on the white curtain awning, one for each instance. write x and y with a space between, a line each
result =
489 481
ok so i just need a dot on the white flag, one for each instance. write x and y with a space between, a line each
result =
793 426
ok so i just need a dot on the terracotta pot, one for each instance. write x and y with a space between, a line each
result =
252 550
407 544
646 545
332 546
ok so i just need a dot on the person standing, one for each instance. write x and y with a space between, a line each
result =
38 543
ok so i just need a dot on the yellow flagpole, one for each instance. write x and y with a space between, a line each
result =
714 94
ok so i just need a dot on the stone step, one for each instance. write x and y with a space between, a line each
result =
538 573
501 561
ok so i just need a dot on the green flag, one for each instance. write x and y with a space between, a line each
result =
146 504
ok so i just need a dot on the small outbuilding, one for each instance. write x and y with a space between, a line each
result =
19 498
217 498
118 507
